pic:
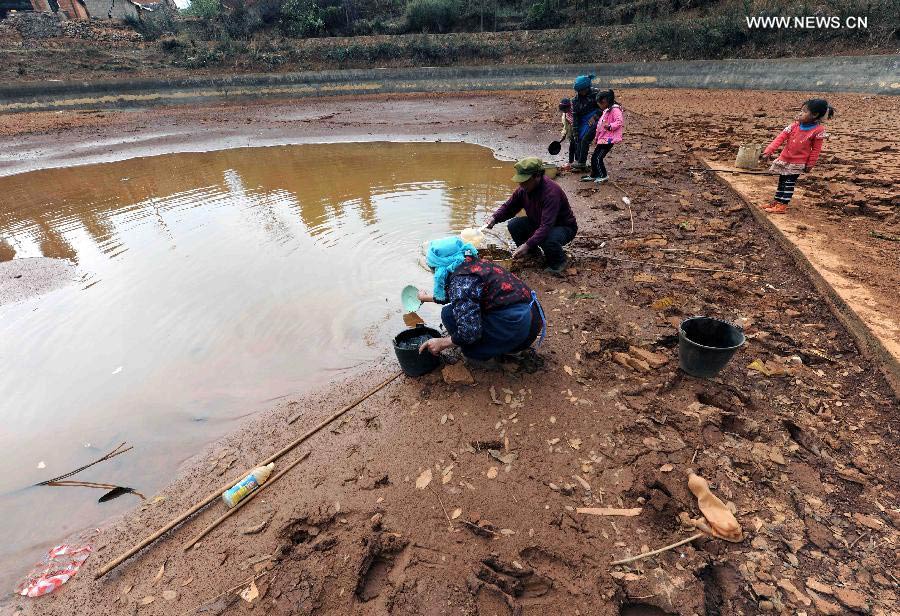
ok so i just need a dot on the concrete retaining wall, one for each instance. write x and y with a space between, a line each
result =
868 74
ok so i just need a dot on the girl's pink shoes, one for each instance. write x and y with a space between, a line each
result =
775 208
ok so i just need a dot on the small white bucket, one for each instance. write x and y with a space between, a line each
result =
748 156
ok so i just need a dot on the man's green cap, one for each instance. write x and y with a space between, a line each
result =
526 168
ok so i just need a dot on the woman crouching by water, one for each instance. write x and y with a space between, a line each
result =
488 311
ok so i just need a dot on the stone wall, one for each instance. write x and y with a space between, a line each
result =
111 9
37 26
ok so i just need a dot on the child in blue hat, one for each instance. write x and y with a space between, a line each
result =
584 118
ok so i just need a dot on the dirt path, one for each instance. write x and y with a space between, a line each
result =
803 446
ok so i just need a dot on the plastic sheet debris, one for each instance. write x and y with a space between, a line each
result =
411 319
59 565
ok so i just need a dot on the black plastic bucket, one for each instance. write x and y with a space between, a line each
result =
411 361
705 345
554 147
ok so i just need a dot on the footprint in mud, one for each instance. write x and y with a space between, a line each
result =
515 581
491 602
306 530
719 584
374 579
553 568
385 552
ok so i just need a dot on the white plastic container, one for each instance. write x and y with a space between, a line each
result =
258 476
472 236
748 156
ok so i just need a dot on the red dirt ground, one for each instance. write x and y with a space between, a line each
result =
804 448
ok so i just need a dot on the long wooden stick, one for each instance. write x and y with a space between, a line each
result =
112 454
441 501
625 561
214 495
349 406
247 499
619 188
731 171
81 484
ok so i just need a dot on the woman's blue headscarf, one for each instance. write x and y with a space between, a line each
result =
582 82
445 255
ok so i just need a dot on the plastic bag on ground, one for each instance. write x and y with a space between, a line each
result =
56 568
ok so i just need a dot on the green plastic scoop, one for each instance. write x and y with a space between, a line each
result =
410 298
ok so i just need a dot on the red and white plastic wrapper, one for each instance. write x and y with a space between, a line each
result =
55 569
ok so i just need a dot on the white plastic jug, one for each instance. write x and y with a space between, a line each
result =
472 236
748 156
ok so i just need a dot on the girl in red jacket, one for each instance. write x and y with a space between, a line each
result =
802 144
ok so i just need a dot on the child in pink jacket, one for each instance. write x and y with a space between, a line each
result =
609 132
802 144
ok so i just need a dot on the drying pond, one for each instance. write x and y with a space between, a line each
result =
207 286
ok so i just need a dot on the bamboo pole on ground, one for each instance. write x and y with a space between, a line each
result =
672 546
214 495
740 171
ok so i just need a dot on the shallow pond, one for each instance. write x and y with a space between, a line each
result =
209 285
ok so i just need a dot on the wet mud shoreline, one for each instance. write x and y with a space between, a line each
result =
349 532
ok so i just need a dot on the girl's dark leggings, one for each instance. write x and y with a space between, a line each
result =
572 148
785 191
598 169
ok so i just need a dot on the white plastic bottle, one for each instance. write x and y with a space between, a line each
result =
233 495
472 236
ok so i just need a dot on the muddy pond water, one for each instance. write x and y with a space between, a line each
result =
208 286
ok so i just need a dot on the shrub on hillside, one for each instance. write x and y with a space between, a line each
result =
151 26
362 27
301 18
711 37
334 19
431 15
206 9
268 11
170 44
575 38
726 32
240 23
542 15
